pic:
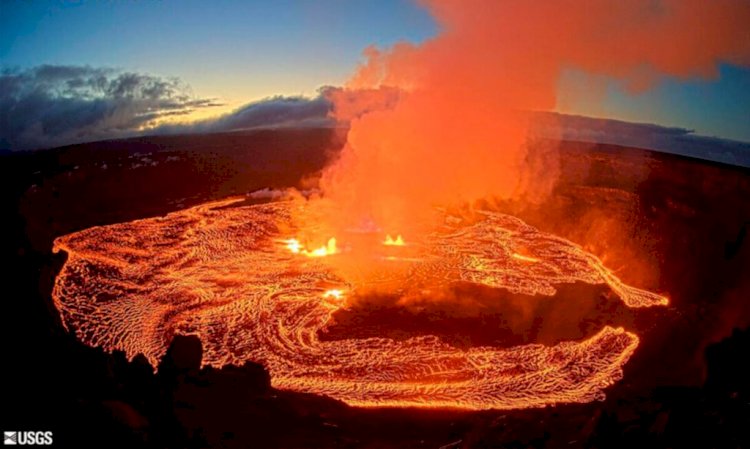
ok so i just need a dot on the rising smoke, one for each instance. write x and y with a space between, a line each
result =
457 132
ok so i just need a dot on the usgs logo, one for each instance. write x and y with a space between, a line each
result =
27 437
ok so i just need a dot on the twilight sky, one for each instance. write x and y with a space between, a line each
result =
237 52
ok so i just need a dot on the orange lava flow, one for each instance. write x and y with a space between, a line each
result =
225 273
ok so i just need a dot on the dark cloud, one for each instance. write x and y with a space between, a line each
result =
279 111
54 105
269 112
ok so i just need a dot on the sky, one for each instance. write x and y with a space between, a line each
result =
718 107
238 52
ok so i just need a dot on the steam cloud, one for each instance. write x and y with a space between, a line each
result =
456 133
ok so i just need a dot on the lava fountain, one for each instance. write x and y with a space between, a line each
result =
237 277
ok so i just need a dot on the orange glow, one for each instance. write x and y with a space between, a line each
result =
333 293
390 241
454 131
524 258
219 273
296 247
439 123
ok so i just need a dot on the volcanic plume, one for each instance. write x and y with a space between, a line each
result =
458 130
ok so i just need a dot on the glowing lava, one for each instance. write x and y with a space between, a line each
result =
333 293
219 272
328 249
524 258
390 241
